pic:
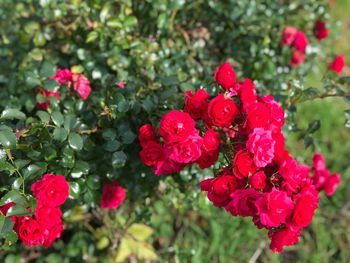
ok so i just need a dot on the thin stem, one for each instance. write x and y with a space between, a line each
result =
10 157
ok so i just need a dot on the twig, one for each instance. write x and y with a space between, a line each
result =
258 252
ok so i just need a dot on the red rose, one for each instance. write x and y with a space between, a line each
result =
247 94
31 232
337 64
321 31
208 158
243 202
219 189
243 164
261 145
225 76
287 236
147 133
81 85
288 35
258 180
48 216
297 58
331 184
258 116
113 195
276 113
176 126
319 162
274 208
278 137
222 111
187 151
63 76
51 190
300 41
151 153
53 233
196 104
306 203
211 140
292 175
167 166
320 178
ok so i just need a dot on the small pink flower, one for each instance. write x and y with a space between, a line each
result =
121 84
81 85
261 144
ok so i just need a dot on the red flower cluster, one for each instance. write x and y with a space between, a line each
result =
45 226
113 195
79 83
260 179
297 39
321 32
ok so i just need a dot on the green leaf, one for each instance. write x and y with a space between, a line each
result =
17 210
75 141
11 238
74 190
8 139
5 166
115 22
60 134
118 159
130 21
111 146
35 169
314 126
10 114
128 137
57 118
47 69
92 36
140 231
13 196
6 225
44 116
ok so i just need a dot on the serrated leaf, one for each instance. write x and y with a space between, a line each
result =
75 141
6 225
5 166
44 116
60 134
13 196
57 118
118 159
10 114
47 69
17 210
8 139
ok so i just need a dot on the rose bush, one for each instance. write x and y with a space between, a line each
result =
79 78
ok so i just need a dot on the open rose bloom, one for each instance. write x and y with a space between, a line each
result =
258 177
